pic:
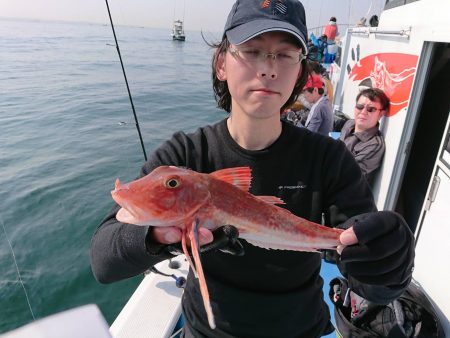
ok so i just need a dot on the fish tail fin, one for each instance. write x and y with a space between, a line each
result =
193 234
187 255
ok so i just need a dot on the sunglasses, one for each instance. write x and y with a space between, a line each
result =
369 109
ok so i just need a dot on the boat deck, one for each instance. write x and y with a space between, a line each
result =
160 292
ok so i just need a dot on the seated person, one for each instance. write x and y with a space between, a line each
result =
313 51
322 46
362 136
320 117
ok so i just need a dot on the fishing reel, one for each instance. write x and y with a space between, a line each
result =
180 282
225 240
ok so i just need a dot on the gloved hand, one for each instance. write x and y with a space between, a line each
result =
384 252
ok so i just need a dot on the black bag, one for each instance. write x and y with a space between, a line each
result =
339 120
409 316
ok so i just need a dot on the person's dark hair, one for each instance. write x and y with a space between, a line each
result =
333 18
319 90
373 22
221 92
375 94
316 67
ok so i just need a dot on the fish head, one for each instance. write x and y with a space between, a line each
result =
166 197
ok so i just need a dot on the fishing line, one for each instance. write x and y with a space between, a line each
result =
176 333
17 269
126 83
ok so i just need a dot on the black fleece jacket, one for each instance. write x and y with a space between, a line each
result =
265 293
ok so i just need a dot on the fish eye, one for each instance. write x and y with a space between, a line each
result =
172 183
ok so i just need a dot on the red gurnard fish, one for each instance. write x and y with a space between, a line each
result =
173 196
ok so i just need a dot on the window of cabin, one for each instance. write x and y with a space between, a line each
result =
396 3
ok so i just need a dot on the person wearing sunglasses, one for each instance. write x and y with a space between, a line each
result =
362 136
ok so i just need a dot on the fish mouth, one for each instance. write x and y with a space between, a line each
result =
117 193
133 214
124 216
130 215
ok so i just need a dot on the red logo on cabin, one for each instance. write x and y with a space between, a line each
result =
391 72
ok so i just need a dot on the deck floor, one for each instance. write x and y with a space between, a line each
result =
328 272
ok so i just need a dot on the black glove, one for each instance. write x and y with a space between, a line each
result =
225 240
385 252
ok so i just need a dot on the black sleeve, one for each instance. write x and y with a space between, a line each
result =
120 250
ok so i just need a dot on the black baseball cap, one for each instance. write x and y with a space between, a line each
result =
250 18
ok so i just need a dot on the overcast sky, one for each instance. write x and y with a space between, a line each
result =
207 15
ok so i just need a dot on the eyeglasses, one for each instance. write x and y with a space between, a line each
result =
253 55
369 109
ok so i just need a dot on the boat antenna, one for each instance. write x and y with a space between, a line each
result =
368 11
350 12
174 5
126 82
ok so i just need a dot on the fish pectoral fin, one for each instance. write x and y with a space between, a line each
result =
271 199
193 235
184 237
240 177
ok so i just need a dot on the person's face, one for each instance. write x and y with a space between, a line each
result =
311 95
259 88
367 113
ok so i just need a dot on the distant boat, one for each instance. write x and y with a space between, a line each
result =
178 31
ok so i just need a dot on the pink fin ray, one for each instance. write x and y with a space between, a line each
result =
285 247
201 278
240 177
186 253
271 199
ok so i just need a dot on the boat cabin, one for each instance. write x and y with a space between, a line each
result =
408 56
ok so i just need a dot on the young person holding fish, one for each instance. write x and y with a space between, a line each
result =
258 71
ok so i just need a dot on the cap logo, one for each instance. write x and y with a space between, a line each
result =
278 8
265 4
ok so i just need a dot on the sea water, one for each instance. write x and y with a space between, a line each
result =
66 133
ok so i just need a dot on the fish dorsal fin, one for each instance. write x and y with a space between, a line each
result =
271 199
240 177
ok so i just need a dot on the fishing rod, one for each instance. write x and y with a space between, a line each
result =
126 82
